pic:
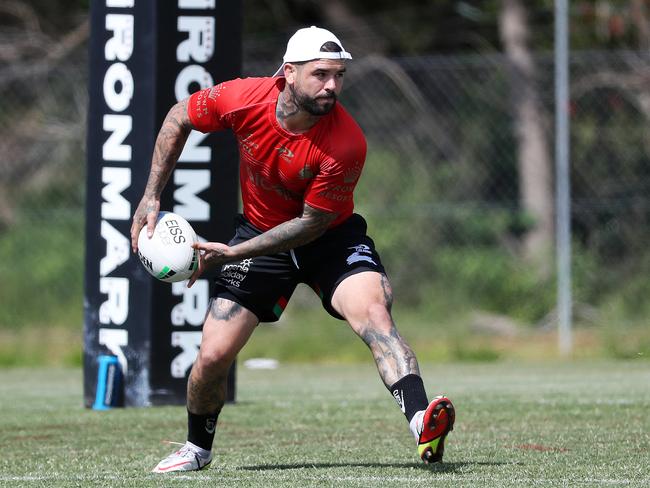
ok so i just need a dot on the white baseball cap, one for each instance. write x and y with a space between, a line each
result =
305 45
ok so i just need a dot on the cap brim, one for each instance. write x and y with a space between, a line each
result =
321 55
280 71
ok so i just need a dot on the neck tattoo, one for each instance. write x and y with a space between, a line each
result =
285 109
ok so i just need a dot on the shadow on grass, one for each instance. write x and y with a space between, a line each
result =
436 468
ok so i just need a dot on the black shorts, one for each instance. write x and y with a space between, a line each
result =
264 284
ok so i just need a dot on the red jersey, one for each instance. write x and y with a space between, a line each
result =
279 170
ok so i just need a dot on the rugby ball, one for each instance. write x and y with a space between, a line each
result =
168 256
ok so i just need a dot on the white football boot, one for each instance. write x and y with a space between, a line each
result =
188 458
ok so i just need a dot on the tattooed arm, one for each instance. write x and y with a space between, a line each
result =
288 235
169 145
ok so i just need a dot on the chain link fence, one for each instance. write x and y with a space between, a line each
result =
442 186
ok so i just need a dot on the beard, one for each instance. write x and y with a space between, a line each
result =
314 105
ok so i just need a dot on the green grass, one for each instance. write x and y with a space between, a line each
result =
41 271
518 424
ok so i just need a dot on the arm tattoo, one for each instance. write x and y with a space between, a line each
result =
394 357
169 145
288 235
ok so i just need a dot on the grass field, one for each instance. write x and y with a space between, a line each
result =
567 424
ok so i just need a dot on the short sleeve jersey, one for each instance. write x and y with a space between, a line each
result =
280 171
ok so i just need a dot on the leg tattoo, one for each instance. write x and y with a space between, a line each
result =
224 309
394 357
388 292
206 397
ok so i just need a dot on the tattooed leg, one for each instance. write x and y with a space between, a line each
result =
228 326
393 356
365 300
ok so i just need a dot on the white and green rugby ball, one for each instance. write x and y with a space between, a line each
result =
168 256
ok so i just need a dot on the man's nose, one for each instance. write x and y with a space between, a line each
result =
330 84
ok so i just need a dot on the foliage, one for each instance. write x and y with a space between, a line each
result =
492 281
440 188
445 26
448 228
610 146
409 27
42 271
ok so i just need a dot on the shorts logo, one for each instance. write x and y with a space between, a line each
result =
235 273
361 253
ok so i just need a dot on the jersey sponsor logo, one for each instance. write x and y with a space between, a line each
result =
335 197
247 144
341 188
352 174
337 193
201 106
260 181
285 153
215 91
361 252
306 173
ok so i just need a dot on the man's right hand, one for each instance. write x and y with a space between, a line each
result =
145 214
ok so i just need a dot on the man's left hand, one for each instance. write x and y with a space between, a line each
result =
211 255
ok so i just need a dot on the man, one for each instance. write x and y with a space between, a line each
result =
301 155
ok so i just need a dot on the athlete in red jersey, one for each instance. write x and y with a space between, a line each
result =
279 170
301 157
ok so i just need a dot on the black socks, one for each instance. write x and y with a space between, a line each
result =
200 429
410 395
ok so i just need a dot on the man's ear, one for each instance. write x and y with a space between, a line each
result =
290 72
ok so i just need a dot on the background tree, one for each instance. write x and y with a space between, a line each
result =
529 119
